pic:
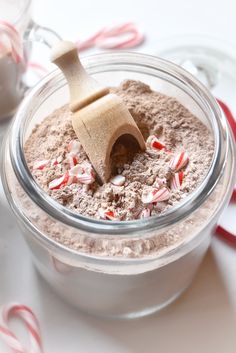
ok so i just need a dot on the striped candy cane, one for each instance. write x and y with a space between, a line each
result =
221 231
111 38
29 319
14 38
16 45
89 42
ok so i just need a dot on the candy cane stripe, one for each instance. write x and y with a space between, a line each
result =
11 340
31 323
30 320
179 161
111 38
155 195
177 180
15 40
154 143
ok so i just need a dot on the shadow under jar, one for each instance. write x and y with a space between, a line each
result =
118 285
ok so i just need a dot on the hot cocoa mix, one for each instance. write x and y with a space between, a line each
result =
178 155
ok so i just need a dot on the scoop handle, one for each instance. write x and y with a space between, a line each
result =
83 88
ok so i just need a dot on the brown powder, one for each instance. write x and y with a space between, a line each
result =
155 114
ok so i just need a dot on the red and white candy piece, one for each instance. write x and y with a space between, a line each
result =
57 160
72 159
74 146
107 215
58 183
177 180
113 38
84 173
155 195
179 161
159 182
14 38
145 213
124 36
118 180
153 142
31 323
40 165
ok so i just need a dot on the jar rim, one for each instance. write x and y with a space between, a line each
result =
22 11
188 205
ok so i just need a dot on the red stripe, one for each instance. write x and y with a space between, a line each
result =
21 308
233 198
223 233
180 160
7 332
34 334
229 116
158 145
181 177
9 25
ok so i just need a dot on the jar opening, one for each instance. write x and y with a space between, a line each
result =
133 63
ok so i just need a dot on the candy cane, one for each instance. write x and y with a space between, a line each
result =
228 236
153 142
83 173
155 195
232 123
118 180
16 44
107 215
179 161
15 40
90 41
11 341
177 180
110 38
29 319
60 182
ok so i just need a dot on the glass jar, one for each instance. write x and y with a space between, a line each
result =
121 269
17 14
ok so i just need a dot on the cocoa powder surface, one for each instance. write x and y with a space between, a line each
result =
155 114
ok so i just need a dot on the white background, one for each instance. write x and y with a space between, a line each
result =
204 318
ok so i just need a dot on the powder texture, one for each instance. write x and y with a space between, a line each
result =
155 114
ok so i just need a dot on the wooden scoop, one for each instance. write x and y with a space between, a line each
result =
99 117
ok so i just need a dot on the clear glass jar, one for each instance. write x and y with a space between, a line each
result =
144 277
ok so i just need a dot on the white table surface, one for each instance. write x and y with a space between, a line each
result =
204 318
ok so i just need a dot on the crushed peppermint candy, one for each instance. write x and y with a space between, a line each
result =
60 182
40 165
179 161
155 195
57 161
118 180
153 142
159 182
107 215
144 176
177 180
84 173
72 159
